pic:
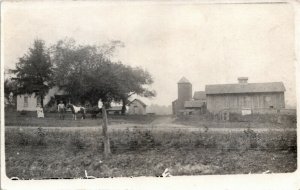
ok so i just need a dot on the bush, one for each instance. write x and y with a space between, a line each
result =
23 113
23 138
138 139
251 137
77 142
40 135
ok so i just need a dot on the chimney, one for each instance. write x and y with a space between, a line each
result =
243 80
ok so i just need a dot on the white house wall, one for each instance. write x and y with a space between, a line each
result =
32 100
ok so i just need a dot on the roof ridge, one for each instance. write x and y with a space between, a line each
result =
243 83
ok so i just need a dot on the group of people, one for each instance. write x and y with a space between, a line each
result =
61 108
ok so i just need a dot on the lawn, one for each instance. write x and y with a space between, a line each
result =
36 153
52 120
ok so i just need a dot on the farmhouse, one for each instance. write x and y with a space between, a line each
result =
29 102
137 107
259 97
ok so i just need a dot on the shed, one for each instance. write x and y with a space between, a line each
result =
137 107
196 105
200 95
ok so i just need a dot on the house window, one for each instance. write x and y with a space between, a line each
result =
25 101
38 101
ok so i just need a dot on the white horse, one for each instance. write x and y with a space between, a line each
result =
75 110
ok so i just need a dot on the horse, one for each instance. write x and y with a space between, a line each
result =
76 109
93 111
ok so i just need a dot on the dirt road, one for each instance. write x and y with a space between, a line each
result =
158 127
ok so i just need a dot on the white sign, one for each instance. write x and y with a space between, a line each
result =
246 112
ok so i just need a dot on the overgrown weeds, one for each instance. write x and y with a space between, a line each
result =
142 139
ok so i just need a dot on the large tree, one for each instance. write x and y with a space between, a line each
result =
132 81
34 71
10 86
87 73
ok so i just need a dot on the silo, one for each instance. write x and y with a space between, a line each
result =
184 92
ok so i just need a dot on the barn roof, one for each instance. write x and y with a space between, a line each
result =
140 101
199 95
194 104
183 80
244 88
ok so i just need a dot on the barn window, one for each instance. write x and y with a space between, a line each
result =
25 101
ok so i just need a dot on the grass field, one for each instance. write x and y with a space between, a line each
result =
36 153
52 120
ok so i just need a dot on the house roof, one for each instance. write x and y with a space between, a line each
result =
138 101
183 80
199 95
244 88
194 104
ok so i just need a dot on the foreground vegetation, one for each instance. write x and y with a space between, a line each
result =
55 153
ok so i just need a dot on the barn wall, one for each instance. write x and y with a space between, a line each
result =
216 103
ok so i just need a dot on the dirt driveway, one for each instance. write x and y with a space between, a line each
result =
159 127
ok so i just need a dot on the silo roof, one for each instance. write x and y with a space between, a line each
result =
184 80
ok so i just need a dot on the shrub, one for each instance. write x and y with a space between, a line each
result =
40 135
23 112
251 137
23 138
77 142
138 139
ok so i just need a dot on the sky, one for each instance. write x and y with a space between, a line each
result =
206 43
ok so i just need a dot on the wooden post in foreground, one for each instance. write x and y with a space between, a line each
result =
107 150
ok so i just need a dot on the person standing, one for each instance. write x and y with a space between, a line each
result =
61 110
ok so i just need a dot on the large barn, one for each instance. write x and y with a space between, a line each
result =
244 95
240 97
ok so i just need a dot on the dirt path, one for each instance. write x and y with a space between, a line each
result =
158 127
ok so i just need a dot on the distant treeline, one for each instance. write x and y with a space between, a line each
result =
159 110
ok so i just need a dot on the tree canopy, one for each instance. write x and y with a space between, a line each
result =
34 71
87 73
10 86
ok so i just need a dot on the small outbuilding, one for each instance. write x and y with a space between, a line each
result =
196 105
137 107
